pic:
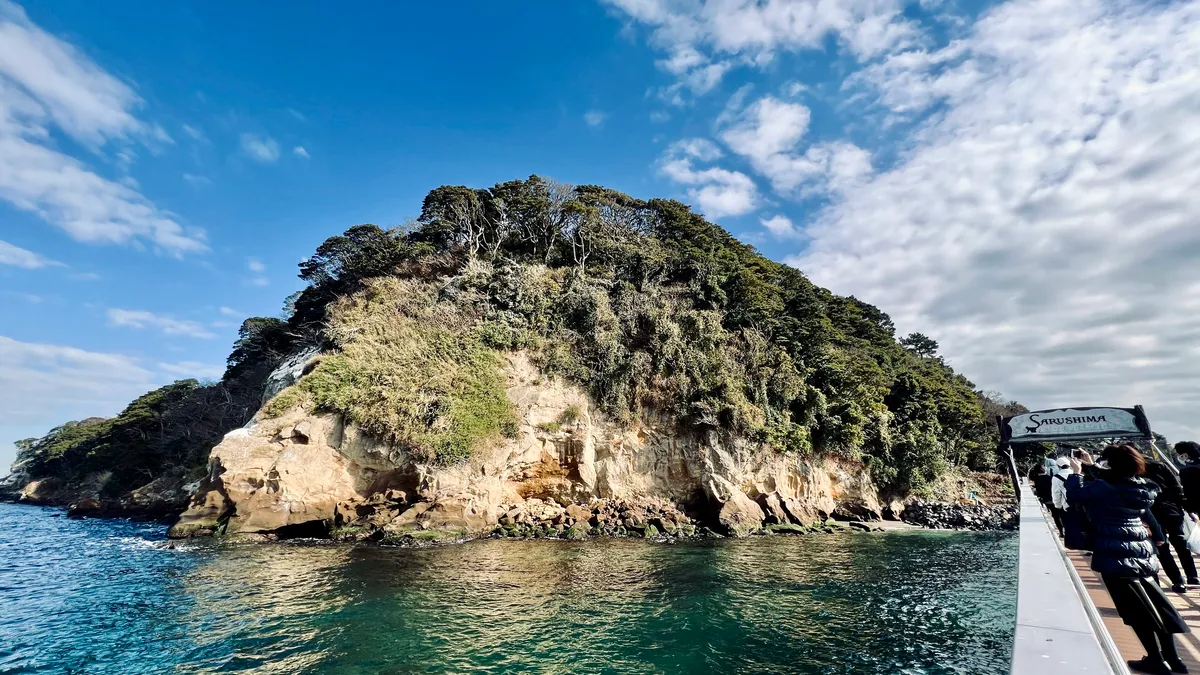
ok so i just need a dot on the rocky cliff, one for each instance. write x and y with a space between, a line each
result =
568 467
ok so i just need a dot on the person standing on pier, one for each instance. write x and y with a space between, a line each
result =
1189 474
1124 547
1042 485
1058 493
1168 510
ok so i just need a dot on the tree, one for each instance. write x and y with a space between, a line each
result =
342 262
920 345
474 221
534 212
260 340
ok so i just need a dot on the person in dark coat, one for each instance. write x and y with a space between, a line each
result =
1189 475
1043 487
1124 538
1169 512
1041 484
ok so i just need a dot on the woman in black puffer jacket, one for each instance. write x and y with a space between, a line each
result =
1124 551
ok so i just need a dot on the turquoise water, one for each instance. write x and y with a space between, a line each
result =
101 597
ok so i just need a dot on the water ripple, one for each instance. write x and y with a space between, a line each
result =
102 597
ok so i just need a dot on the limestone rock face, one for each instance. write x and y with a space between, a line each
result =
288 372
773 509
567 468
260 482
740 515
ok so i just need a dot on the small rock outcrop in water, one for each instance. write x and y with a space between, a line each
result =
161 498
941 515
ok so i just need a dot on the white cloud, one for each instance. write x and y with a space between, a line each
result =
1041 221
189 369
124 162
229 311
134 318
780 227
197 181
683 58
19 257
83 100
31 298
829 169
794 89
297 114
257 267
43 385
767 127
768 134
260 148
717 192
704 39
46 83
697 148
299 151
89 208
594 118
659 116
192 131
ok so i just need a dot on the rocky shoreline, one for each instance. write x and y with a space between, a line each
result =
389 521
568 472
161 500
946 516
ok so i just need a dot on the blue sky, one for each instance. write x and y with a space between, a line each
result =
1001 176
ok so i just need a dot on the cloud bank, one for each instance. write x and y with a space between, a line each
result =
1038 213
49 89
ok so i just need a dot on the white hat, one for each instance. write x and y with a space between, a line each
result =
1063 462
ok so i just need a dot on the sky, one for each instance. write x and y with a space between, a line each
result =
1019 180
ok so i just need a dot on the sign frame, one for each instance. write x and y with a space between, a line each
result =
1137 413
1007 441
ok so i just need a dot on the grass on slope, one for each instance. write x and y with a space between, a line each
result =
411 370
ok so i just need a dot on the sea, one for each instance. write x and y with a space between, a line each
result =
102 597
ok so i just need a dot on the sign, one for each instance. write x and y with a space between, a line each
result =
1075 424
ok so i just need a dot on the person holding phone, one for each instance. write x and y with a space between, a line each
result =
1124 539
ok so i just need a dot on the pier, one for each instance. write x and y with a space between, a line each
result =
1066 622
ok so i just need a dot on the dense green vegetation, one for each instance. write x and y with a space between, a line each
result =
644 303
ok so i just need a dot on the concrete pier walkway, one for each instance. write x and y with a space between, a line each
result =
1059 629
1066 622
